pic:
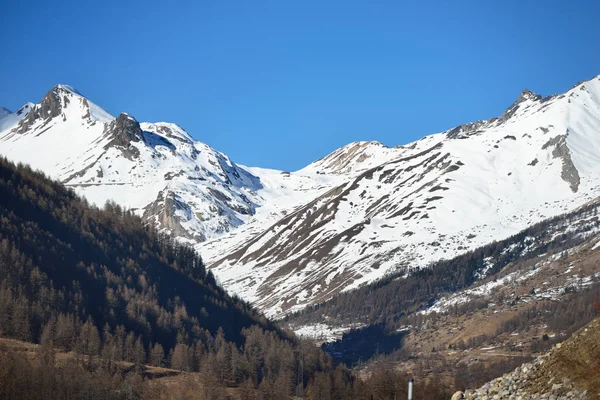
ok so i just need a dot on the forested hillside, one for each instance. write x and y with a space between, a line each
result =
396 296
66 262
97 282
475 316
106 297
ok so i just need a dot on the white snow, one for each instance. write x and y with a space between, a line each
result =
283 240
324 332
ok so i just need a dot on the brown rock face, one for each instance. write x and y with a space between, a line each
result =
124 130
163 210
51 106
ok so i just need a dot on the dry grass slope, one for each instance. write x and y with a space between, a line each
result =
577 360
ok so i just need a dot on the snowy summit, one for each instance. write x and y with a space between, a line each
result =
284 240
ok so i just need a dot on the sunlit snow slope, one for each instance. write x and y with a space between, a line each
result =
285 240
156 169
431 199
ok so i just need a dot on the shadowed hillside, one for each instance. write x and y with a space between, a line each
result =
111 304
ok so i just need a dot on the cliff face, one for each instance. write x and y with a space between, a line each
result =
172 214
122 132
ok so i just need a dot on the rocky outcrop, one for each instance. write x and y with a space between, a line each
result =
561 151
124 131
50 107
517 386
164 211
525 95
463 131
470 128
569 371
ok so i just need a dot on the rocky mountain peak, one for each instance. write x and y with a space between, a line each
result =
51 106
352 158
125 129
56 99
525 95
465 130
66 89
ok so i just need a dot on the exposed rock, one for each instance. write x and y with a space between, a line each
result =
123 131
568 371
569 173
352 156
525 95
168 132
470 128
465 130
51 106
164 212
458 396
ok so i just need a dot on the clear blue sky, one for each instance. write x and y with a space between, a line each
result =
281 83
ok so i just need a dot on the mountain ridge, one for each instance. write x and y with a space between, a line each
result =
283 240
542 141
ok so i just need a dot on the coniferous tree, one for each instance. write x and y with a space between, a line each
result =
46 348
139 352
180 359
157 355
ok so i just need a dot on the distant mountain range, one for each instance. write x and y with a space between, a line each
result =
284 240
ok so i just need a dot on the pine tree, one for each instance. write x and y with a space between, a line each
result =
89 341
157 355
128 350
199 356
21 319
180 360
119 338
6 303
46 348
65 331
139 351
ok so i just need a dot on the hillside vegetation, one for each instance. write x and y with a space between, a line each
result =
570 370
114 308
474 317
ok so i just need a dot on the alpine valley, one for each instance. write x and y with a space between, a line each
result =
286 240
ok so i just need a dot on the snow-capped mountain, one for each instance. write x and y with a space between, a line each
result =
411 205
285 240
156 169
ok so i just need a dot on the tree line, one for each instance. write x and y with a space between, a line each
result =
118 296
392 298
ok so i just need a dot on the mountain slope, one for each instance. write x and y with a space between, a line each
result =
156 169
548 261
116 294
477 316
568 371
58 255
285 240
438 197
